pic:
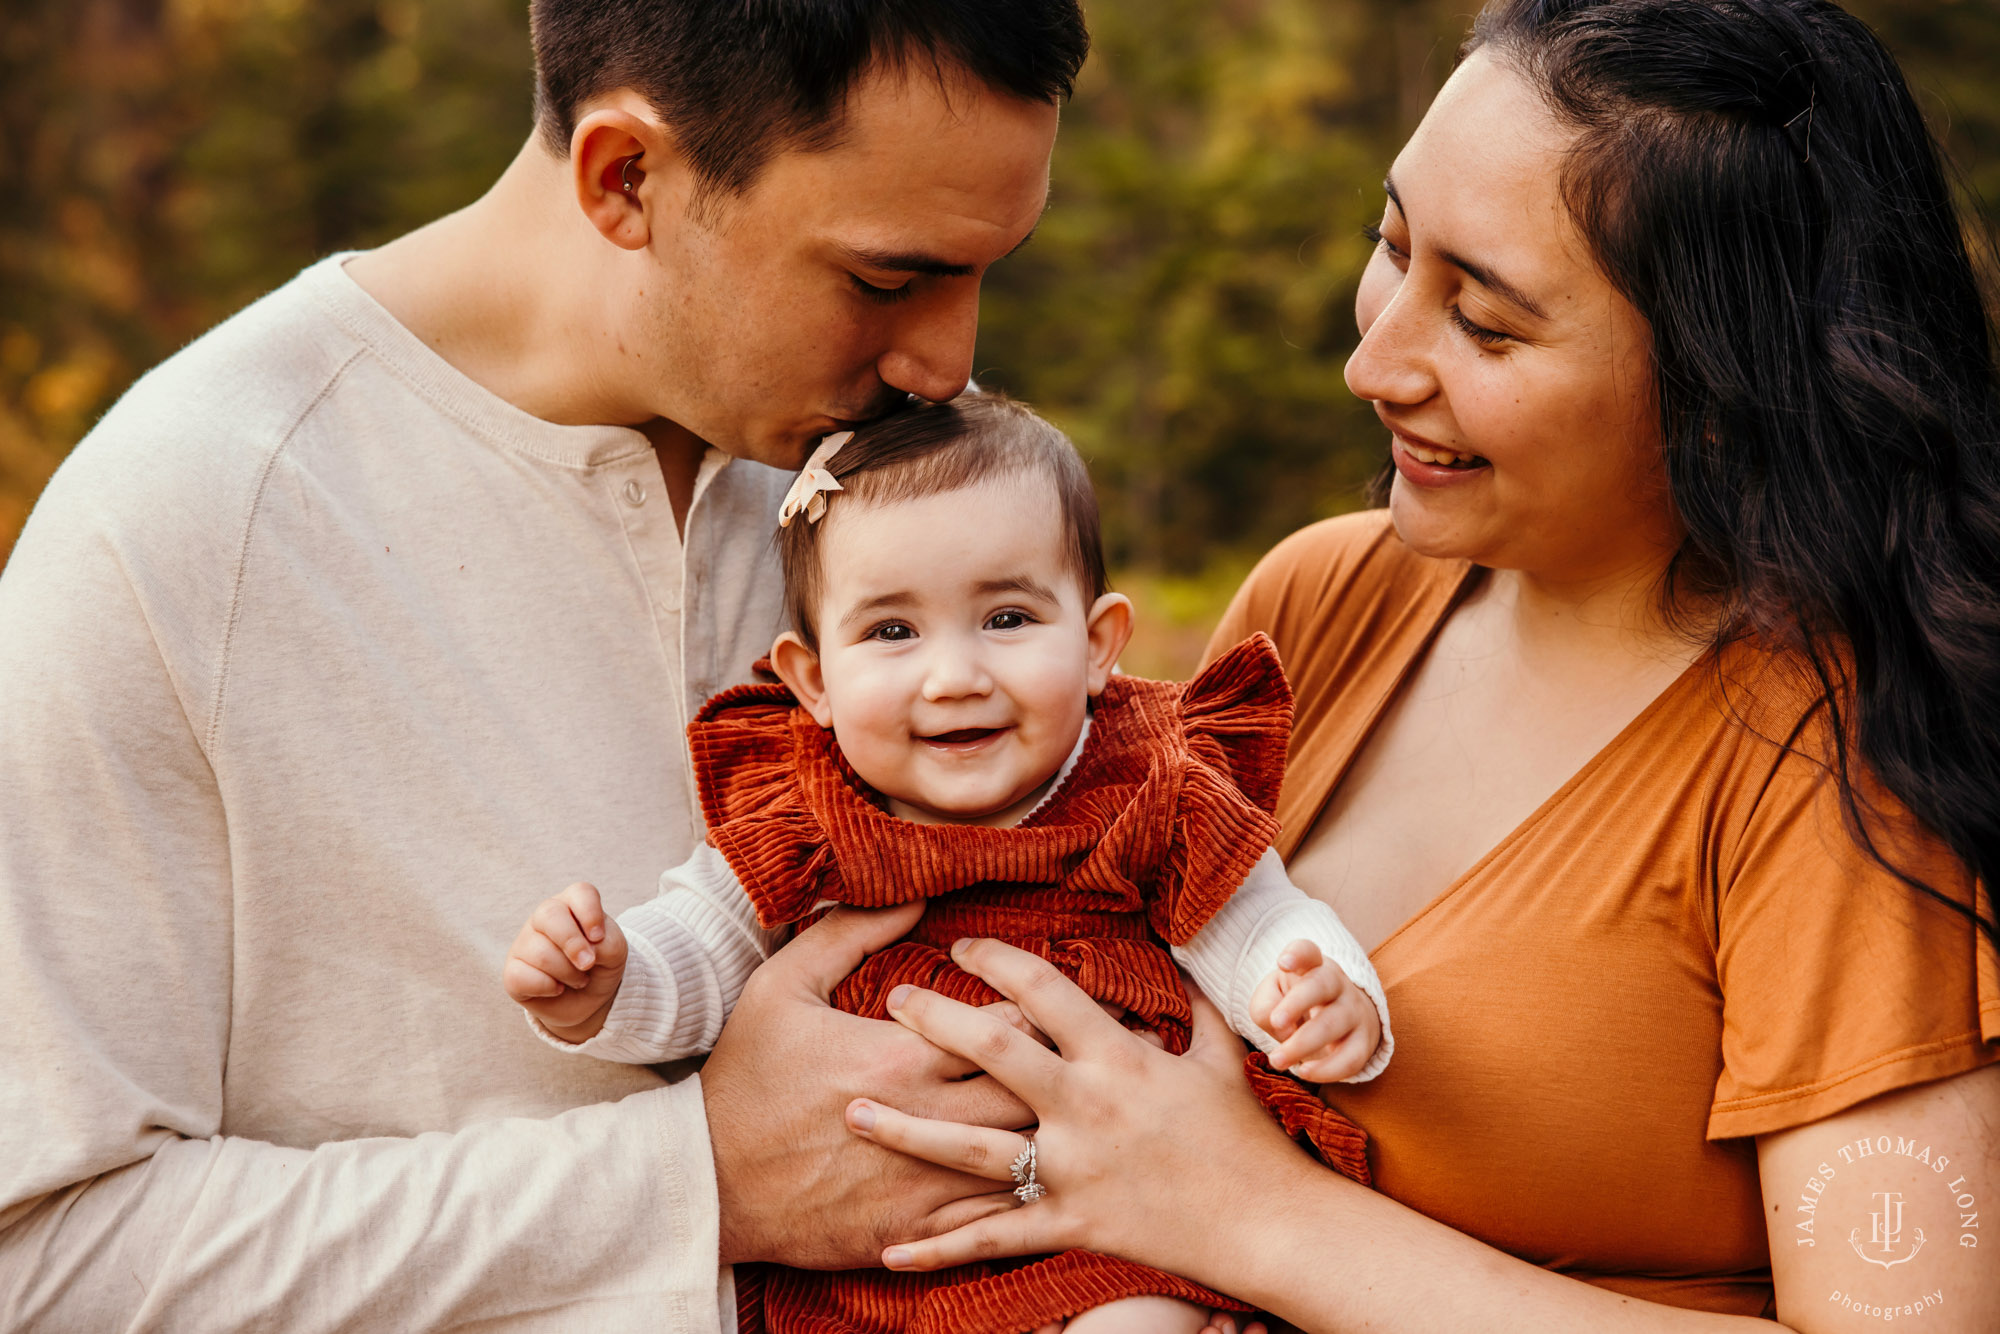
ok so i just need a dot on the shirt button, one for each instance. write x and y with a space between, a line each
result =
635 495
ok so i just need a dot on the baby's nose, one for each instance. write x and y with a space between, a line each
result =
955 673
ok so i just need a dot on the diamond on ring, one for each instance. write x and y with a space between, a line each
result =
1026 1189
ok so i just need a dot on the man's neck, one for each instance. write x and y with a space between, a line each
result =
509 291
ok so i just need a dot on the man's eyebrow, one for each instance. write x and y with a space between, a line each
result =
916 261
1479 273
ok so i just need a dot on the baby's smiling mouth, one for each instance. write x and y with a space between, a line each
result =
963 738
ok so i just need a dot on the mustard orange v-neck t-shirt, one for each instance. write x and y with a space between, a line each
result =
1680 949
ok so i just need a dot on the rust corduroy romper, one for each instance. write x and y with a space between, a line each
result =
1159 822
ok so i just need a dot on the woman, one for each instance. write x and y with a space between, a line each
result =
1648 739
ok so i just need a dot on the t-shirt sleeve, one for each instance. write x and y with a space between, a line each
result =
1839 980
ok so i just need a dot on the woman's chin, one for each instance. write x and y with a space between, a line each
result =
1423 521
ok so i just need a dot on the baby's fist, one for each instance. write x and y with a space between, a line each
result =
566 964
1326 1026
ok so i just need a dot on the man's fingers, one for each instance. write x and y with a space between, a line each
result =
971 1149
824 953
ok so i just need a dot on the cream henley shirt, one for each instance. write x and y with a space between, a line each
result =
319 667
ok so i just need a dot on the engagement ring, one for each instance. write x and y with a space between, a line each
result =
1026 1189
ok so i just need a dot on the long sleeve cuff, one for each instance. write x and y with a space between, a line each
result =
1239 948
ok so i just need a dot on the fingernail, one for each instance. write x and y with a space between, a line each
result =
898 1258
900 997
959 944
1287 961
862 1117
595 933
586 958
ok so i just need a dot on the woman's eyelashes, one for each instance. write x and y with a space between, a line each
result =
881 296
1478 333
1383 243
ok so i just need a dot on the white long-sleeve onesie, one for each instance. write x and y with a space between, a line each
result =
693 946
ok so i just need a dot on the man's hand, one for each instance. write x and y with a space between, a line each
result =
566 964
794 1185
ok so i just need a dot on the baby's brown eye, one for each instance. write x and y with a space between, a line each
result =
895 632
1007 620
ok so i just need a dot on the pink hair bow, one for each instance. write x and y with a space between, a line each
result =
808 493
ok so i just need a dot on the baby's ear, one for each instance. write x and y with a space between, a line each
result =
1109 629
798 667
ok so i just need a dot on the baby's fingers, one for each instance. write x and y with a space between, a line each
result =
525 982
1265 999
1343 1060
1301 956
1324 985
574 920
534 948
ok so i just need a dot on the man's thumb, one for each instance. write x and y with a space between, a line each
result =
832 948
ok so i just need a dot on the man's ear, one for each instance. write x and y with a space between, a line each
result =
1110 630
798 667
623 163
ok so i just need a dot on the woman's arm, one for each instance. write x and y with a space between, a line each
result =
1171 1162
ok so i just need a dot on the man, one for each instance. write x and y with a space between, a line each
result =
378 613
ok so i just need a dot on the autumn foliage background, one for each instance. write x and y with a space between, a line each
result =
1184 310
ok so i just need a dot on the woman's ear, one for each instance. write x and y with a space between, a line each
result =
621 164
1110 630
798 667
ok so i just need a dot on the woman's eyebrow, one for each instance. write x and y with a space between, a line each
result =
1479 273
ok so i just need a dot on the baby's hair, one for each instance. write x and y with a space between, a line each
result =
931 448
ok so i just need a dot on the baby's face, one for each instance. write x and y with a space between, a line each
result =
957 651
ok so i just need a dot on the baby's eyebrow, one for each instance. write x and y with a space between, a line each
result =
1019 583
880 602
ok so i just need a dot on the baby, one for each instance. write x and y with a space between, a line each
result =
951 727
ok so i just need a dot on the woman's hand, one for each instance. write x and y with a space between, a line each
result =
1128 1137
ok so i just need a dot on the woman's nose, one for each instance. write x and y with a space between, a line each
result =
1391 363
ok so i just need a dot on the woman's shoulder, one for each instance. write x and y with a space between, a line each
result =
1338 593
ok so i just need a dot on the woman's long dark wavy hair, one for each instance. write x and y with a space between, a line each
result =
1754 176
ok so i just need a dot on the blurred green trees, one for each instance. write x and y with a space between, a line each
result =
1184 310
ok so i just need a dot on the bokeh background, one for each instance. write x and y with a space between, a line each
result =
1184 310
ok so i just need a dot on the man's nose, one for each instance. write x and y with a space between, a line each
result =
931 355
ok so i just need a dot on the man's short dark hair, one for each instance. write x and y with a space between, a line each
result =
739 80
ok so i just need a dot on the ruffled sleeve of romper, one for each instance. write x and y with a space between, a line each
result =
748 746
1236 720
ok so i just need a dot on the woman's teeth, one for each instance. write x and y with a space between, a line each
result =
1442 458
